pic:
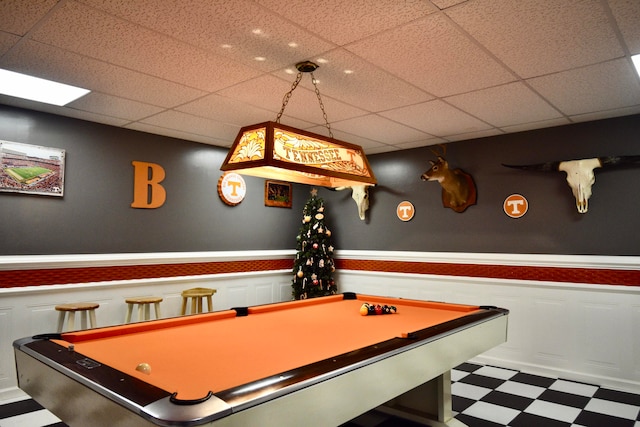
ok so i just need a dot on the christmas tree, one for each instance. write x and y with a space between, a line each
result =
313 265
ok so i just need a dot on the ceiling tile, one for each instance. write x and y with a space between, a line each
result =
174 133
347 78
444 4
62 111
239 29
599 115
505 105
474 135
7 41
267 92
627 15
436 118
434 55
99 35
421 143
534 38
603 86
193 125
108 105
18 16
536 125
227 110
343 22
48 62
365 143
379 129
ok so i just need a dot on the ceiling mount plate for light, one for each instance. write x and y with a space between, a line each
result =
306 67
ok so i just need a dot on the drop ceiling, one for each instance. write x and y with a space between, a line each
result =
394 74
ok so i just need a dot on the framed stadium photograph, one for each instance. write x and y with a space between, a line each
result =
277 193
31 169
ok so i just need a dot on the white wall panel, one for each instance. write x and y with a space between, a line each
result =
587 333
29 311
6 338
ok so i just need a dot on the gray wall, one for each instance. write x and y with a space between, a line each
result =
552 225
95 216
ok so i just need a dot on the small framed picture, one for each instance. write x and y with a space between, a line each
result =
277 193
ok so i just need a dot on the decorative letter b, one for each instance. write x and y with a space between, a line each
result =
147 191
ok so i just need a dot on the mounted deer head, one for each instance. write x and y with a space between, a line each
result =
580 173
359 193
458 188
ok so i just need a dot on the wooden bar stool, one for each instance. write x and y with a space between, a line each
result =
144 307
197 295
71 309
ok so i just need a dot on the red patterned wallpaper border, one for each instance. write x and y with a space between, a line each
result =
60 276
551 274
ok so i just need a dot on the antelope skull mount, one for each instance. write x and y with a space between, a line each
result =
580 173
359 193
458 188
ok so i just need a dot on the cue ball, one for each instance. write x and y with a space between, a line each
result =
144 368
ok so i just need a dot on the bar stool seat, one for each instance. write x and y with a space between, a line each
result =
144 307
83 308
197 295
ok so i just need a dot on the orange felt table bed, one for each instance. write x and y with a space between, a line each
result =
255 365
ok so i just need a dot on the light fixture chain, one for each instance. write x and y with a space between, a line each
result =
324 113
287 96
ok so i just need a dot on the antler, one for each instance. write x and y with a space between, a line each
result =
443 149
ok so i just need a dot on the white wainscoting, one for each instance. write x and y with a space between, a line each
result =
580 332
30 310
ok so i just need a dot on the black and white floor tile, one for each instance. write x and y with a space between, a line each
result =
483 396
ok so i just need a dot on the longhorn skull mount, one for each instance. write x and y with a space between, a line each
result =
359 193
458 188
580 173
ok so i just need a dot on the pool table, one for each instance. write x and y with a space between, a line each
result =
315 362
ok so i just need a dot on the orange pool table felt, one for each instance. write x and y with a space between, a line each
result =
193 355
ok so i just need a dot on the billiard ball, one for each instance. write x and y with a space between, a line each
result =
144 368
364 309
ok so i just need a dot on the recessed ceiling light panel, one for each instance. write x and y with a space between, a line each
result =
636 62
37 89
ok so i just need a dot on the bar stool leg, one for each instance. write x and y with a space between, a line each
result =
183 311
83 319
71 321
210 303
193 305
61 321
92 319
157 307
127 319
147 311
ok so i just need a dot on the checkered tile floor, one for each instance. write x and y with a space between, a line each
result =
483 396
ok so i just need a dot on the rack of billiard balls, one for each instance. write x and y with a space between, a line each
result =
373 309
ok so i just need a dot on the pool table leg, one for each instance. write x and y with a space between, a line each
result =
428 404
